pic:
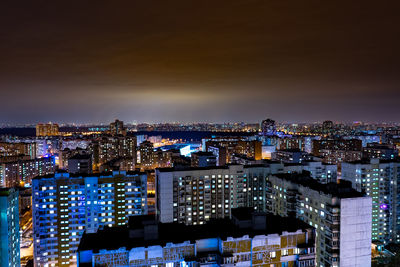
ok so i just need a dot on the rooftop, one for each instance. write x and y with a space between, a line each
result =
117 237
340 190
83 175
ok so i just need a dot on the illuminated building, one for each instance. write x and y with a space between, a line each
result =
291 143
290 156
22 171
108 148
80 163
146 154
341 215
203 159
248 239
47 129
322 172
327 127
378 179
9 228
66 154
224 147
66 205
163 159
319 146
122 164
117 128
220 154
8 149
196 195
380 151
268 127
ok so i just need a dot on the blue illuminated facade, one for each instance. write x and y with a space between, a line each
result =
9 228
65 206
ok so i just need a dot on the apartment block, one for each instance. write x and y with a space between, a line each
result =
341 216
66 205
379 179
9 228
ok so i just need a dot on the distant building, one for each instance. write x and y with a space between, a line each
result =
20 172
80 163
336 144
297 142
146 154
9 228
335 151
203 159
47 129
106 148
248 239
224 147
220 153
268 127
380 151
327 127
117 128
65 206
290 156
8 149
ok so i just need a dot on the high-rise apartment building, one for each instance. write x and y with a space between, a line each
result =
224 147
268 127
380 151
117 128
106 149
195 195
147 155
8 149
9 228
379 179
16 173
47 129
65 205
341 215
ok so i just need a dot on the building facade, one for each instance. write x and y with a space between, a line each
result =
47 129
378 179
194 196
9 228
20 172
64 206
341 216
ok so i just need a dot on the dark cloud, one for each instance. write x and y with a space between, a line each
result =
199 60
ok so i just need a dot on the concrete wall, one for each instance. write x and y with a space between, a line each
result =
355 232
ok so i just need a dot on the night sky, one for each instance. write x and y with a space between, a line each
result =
220 60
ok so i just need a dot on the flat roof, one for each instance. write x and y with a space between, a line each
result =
118 237
341 190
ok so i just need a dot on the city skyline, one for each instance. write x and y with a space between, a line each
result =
185 61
